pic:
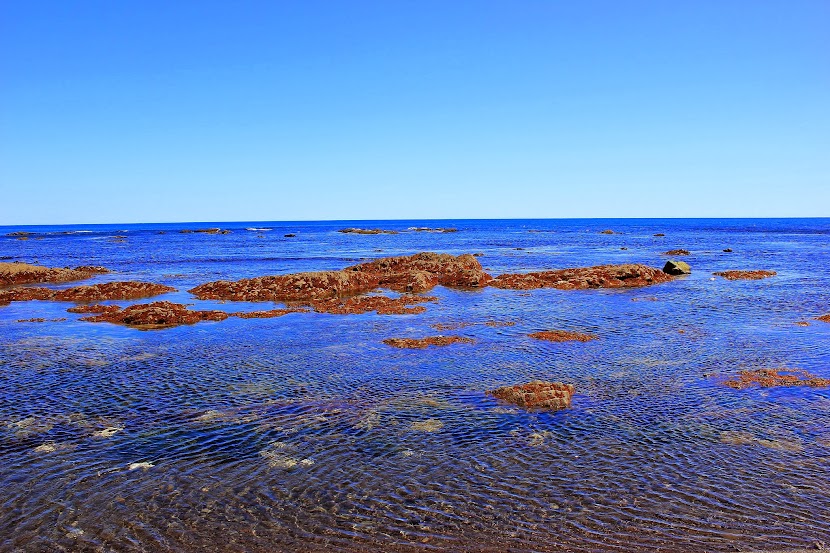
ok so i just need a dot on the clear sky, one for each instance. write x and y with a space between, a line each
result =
151 111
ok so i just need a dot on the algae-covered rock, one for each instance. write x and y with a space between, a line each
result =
674 268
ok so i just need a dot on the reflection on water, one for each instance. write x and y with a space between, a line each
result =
306 432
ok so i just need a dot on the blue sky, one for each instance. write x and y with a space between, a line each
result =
219 111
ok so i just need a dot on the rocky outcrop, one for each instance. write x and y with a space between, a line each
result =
382 305
414 273
94 308
768 378
24 273
205 231
366 231
537 395
677 252
603 276
745 275
423 343
160 314
127 290
677 268
608 231
270 314
439 229
562 336
422 271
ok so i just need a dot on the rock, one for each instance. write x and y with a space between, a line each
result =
623 248
673 267
824 318
160 314
767 378
659 234
603 276
381 304
127 290
423 343
428 229
205 231
24 273
267 314
366 231
745 275
728 250
677 252
537 395
290 235
422 271
562 336
94 308
608 231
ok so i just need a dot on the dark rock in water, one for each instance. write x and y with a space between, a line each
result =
160 314
623 248
205 231
675 268
659 234
562 336
290 235
677 252
423 343
768 378
824 318
728 250
537 395
603 276
745 275
366 231
608 231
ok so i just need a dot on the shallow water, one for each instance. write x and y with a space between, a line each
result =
306 432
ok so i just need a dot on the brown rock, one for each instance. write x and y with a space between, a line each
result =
205 231
267 314
365 304
160 314
562 336
767 378
537 395
659 234
415 273
98 292
366 231
423 343
608 231
603 276
24 273
94 308
745 275
677 252
824 318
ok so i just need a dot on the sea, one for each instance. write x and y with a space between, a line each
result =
307 433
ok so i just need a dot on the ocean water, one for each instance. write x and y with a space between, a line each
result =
307 433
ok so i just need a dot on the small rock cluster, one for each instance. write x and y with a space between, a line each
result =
537 395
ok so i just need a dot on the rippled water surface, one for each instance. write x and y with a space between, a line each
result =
306 432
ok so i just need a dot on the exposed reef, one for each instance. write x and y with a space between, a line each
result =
381 304
160 314
603 276
562 336
423 343
824 318
24 273
127 290
270 314
768 378
205 231
366 231
537 395
677 252
745 275
414 273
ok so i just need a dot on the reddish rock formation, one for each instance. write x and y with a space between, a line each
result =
24 273
128 290
415 273
94 308
824 318
608 231
267 314
562 336
745 275
160 314
537 395
366 231
677 252
603 276
767 378
423 343
381 304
